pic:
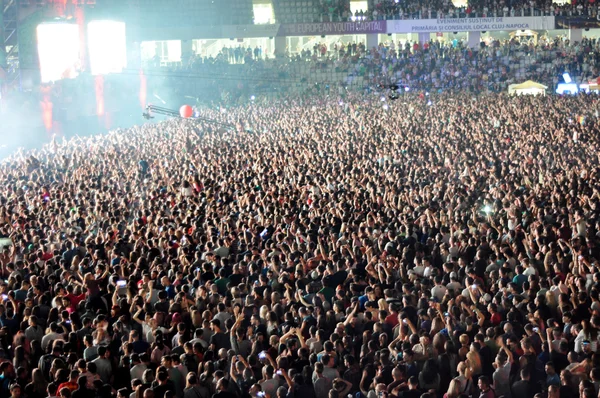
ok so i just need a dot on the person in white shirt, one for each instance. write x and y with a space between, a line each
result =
329 371
103 365
580 223
427 267
438 291
454 283
587 334
529 269
139 367
418 269
50 337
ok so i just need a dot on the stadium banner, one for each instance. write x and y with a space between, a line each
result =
247 31
333 28
469 24
577 22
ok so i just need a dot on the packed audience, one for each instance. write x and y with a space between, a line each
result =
231 78
441 245
433 9
334 10
433 66
240 72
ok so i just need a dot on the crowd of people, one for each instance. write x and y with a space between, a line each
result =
341 10
415 9
239 72
432 66
227 79
440 245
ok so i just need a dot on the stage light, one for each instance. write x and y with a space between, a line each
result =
58 50
160 99
107 48
252 98
567 77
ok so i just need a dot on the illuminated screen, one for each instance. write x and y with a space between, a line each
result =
106 46
58 49
567 88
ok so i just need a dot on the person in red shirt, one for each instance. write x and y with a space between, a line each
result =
392 318
72 383
46 255
496 318
75 297
515 346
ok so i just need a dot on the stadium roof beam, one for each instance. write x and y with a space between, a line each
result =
9 44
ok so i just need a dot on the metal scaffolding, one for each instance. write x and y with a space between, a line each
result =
9 43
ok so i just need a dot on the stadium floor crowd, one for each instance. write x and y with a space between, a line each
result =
440 245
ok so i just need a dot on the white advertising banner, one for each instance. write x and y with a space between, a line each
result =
469 24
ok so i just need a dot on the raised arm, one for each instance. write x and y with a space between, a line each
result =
289 381
508 352
232 368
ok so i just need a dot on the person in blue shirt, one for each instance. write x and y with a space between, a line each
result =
168 287
552 378
520 278
8 320
7 376
368 296
21 293
139 346
411 365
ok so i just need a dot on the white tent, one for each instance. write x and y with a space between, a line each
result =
527 88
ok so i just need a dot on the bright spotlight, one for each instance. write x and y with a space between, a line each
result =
106 43
58 49
567 77
252 98
406 88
